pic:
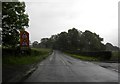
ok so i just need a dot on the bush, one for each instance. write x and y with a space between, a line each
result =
102 55
8 51
15 52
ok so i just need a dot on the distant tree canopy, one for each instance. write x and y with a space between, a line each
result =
110 47
13 20
91 41
35 44
74 40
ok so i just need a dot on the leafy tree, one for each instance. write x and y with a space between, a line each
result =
91 42
110 47
62 41
44 42
54 39
73 39
35 44
13 20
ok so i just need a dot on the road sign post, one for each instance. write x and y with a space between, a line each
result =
24 40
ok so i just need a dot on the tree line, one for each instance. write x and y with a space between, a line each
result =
73 40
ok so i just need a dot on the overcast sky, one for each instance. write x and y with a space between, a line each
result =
49 17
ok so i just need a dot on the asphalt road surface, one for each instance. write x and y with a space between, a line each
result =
59 67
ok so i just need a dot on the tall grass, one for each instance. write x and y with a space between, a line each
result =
37 55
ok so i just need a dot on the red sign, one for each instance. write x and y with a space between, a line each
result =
24 39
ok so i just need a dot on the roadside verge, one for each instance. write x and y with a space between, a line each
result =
16 68
108 64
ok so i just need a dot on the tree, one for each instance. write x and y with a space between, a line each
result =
53 40
91 42
110 47
44 42
73 39
13 20
62 41
35 44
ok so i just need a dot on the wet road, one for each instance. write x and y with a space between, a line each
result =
59 67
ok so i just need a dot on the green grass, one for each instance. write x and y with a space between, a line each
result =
37 55
115 56
85 58
42 49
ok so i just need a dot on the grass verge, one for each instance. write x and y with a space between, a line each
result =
85 58
114 58
37 55
19 65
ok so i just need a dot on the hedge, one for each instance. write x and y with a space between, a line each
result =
102 55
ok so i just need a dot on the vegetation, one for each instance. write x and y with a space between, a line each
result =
113 58
37 55
14 19
101 55
73 40
85 58
0 23
82 45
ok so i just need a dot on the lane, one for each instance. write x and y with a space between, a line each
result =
89 71
59 67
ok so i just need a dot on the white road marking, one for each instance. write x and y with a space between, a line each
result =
51 56
63 62
53 53
41 64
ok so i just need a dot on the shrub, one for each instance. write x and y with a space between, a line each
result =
102 55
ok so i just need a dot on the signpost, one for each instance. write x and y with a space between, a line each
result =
24 40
